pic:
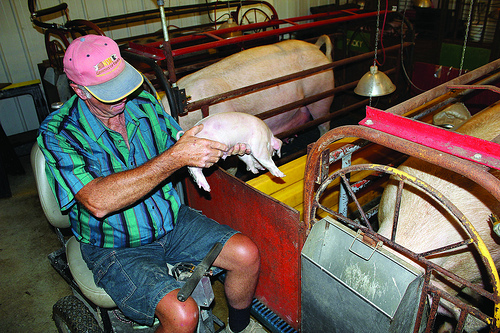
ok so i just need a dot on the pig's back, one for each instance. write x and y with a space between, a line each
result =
254 65
231 128
484 125
424 224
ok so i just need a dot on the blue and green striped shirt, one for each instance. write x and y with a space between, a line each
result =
79 148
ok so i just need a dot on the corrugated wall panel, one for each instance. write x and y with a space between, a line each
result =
17 65
22 45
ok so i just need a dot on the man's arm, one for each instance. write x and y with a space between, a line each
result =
105 195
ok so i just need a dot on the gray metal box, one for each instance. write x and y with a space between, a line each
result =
348 286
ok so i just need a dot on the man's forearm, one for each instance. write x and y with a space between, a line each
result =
105 195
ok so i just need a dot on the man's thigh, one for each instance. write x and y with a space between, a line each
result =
135 278
193 237
138 278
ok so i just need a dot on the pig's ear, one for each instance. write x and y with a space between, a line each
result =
279 152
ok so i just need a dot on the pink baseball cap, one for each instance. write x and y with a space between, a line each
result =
95 62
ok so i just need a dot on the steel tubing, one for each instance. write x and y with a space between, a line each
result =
274 32
259 86
442 89
469 169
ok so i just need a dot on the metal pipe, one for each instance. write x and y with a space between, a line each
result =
442 89
260 25
161 4
323 119
167 48
259 86
152 14
312 99
274 32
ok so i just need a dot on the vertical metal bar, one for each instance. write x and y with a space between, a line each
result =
167 48
161 4
343 197
461 321
324 166
433 313
397 208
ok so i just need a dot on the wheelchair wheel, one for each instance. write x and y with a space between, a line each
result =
72 316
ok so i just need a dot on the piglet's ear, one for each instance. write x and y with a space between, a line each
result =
276 144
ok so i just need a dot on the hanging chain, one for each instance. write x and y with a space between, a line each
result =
377 34
466 37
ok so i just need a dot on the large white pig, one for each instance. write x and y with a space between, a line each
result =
260 64
423 225
232 128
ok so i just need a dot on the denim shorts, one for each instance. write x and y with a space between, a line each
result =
137 278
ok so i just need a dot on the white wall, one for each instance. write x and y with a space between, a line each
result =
22 45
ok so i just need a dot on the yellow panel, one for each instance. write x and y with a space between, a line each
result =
293 170
292 195
290 191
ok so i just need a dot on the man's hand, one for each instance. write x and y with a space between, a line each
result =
197 152
239 149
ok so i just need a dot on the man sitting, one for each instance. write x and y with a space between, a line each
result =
110 152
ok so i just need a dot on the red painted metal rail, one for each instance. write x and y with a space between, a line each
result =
461 145
349 16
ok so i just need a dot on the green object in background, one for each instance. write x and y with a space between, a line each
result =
357 43
451 55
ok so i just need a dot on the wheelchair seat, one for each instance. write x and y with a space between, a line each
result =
82 275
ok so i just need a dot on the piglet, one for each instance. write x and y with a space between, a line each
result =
232 128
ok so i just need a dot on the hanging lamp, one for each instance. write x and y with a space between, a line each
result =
375 83
230 24
422 3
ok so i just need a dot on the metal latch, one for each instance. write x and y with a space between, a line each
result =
368 242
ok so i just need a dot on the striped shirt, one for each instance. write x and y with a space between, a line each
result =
79 148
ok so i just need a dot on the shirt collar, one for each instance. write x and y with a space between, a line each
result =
95 127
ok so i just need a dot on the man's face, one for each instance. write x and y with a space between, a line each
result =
98 108
106 110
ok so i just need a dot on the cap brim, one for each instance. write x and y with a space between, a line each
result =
118 88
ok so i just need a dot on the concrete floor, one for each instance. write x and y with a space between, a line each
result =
29 286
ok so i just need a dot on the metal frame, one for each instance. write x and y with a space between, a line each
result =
324 19
204 104
320 158
154 53
73 28
431 268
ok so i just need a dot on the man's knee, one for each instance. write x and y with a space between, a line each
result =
176 316
244 252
